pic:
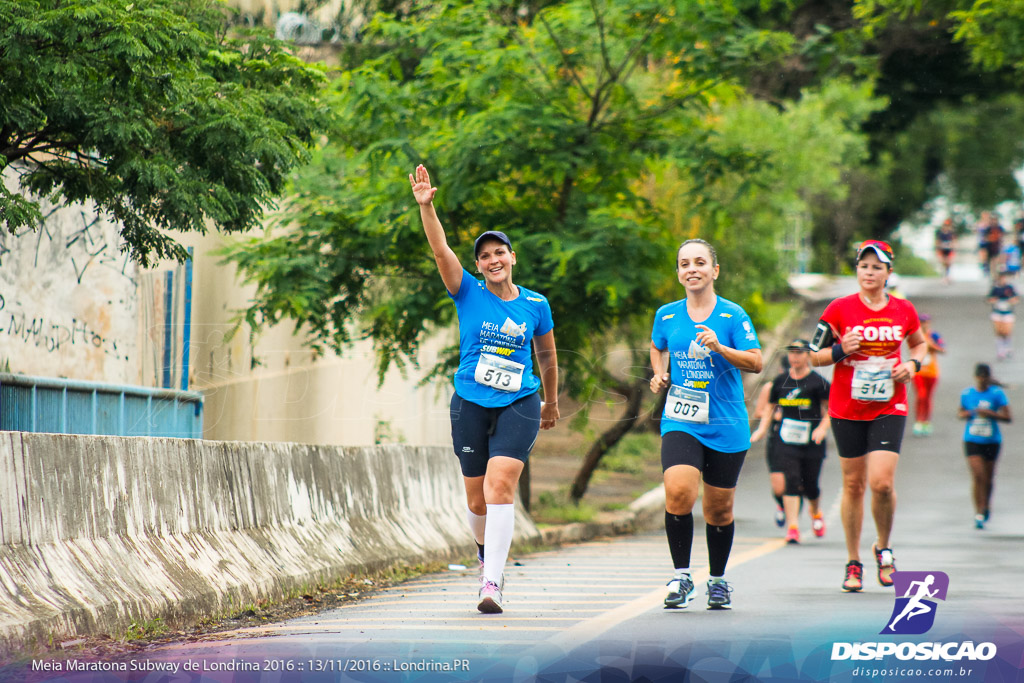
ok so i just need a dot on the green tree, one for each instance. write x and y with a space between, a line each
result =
542 128
921 62
992 30
151 110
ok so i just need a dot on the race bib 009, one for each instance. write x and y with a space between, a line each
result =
687 405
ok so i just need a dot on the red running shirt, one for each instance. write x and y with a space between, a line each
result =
862 388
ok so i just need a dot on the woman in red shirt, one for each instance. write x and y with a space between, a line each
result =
862 334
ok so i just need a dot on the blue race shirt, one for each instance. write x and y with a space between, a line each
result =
984 429
499 330
693 367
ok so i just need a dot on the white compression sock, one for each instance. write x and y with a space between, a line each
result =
477 524
501 520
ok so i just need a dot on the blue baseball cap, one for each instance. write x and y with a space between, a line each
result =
493 235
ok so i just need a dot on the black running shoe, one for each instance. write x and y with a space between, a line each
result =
719 595
680 592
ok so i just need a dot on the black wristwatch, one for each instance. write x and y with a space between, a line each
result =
917 364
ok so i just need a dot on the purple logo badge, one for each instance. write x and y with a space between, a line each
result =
916 593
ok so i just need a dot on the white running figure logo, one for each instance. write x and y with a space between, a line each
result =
914 606
699 352
512 329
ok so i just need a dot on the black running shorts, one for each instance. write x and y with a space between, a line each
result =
479 434
721 470
855 438
988 451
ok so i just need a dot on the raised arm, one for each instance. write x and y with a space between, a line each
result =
448 264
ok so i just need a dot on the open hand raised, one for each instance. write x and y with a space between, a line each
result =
421 188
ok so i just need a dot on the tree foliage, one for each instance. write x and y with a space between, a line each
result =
540 128
931 73
992 30
151 110
597 134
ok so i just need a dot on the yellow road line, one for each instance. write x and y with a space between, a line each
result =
468 599
592 628
516 593
412 619
488 622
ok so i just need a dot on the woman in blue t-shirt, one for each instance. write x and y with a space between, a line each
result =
495 410
698 347
983 406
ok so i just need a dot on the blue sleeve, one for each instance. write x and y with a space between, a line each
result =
743 332
545 323
963 400
464 287
658 336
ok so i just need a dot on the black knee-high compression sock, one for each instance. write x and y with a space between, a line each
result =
719 546
679 530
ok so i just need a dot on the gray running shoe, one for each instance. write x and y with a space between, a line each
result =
719 595
680 592
490 598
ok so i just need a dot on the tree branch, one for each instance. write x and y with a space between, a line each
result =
634 395
563 53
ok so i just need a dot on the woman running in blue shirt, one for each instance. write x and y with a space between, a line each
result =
495 410
984 406
698 346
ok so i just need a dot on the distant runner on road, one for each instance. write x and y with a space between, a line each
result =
927 378
698 346
945 247
984 406
1003 298
862 334
495 410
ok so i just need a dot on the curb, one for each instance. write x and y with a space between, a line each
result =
643 514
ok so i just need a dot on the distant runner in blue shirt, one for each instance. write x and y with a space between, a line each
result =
496 411
983 406
699 345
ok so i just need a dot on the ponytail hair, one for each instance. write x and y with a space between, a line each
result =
984 371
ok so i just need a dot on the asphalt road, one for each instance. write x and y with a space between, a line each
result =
594 612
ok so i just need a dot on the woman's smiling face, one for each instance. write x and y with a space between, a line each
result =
495 261
695 267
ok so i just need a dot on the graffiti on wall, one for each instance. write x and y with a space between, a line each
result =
69 299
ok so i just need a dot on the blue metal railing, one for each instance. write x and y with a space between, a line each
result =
63 406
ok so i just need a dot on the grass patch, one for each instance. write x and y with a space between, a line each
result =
145 630
553 508
631 453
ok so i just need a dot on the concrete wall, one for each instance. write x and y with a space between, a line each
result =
97 532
